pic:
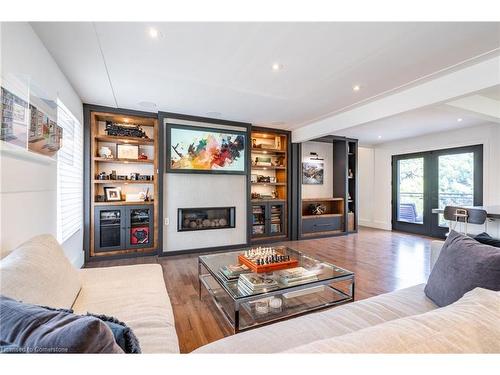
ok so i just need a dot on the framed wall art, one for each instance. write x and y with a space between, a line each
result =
312 173
194 149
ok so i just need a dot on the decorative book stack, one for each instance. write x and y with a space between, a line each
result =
251 283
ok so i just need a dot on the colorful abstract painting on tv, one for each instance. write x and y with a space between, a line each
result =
208 150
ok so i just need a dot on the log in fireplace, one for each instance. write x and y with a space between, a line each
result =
190 219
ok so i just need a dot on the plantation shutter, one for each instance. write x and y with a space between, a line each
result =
69 175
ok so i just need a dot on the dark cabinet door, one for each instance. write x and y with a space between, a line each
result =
259 220
140 227
109 229
276 219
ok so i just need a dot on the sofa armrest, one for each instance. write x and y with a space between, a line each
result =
436 247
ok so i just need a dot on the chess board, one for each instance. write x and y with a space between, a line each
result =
266 259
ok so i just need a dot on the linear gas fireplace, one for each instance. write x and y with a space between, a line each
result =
190 219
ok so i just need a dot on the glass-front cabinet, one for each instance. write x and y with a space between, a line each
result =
268 219
123 227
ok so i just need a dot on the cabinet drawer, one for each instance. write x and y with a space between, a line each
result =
321 224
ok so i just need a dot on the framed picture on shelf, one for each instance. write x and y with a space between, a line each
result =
195 149
113 194
312 173
127 152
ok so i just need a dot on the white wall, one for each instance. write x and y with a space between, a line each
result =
375 186
325 151
28 188
203 190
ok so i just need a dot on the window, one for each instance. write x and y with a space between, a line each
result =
69 175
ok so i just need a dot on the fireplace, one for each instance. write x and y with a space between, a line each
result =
191 219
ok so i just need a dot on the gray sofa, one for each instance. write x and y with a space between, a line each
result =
403 321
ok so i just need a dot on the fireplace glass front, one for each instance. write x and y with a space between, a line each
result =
190 219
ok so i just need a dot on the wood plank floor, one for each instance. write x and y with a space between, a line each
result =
382 261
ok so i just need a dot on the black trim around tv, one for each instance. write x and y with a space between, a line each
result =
168 147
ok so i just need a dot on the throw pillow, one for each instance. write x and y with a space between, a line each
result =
36 329
462 265
487 239
124 336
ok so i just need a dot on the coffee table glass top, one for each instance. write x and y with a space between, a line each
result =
322 271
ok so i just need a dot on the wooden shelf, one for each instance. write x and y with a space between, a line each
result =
125 140
268 200
265 151
321 199
123 182
318 216
270 183
123 203
267 168
124 161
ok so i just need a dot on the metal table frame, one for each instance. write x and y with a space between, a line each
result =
234 321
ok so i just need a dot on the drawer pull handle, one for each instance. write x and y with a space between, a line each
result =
322 225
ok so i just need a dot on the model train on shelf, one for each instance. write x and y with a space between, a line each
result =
124 130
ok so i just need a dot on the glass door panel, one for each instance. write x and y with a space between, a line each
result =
140 228
259 220
456 181
277 216
410 199
109 229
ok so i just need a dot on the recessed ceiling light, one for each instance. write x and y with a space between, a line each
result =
277 66
126 120
356 88
154 33
459 119
379 137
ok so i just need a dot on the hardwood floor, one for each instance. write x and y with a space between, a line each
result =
382 261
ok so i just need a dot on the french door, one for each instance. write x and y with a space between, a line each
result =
434 179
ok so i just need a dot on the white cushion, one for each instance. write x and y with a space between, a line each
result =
470 325
325 324
135 295
38 272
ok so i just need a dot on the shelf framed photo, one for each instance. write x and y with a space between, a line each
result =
113 194
197 149
127 152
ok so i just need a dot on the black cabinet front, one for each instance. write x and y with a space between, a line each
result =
120 228
268 219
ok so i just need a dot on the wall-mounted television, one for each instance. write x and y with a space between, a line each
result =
196 149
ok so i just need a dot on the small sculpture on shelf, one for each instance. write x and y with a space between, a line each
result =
350 174
143 156
317 209
274 194
105 152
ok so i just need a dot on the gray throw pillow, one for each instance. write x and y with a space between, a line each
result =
462 265
36 329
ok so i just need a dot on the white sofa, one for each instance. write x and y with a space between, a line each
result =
38 272
403 321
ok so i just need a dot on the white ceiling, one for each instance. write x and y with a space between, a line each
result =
198 68
426 120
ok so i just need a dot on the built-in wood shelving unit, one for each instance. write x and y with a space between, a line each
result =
339 156
269 208
119 219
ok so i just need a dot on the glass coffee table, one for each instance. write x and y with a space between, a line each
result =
322 285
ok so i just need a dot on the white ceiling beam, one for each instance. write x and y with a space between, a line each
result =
439 90
481 106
